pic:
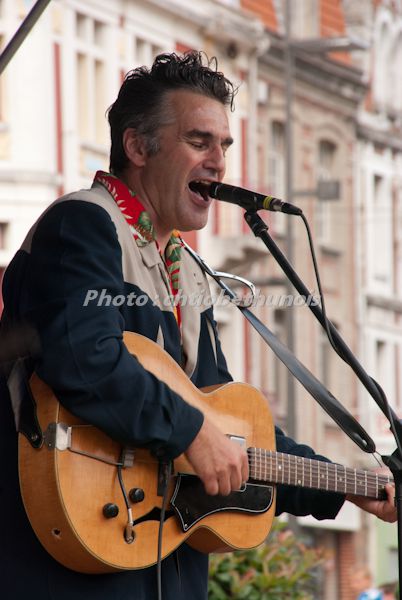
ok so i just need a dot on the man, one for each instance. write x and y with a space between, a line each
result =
170 131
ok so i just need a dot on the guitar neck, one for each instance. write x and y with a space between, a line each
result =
276 467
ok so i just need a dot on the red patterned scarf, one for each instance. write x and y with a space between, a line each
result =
143 231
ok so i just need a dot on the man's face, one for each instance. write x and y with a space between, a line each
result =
192 148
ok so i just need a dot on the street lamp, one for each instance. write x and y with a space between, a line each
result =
310 46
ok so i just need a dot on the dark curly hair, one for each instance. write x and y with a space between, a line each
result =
141 104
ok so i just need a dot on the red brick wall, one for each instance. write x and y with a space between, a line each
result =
265 10
346 560
332 23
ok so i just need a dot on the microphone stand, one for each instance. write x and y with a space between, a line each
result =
323 396
394 462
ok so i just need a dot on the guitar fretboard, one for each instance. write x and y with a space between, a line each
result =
276 467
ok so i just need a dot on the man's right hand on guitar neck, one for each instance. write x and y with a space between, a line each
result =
220 463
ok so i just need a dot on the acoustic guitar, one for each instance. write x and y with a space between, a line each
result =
96 506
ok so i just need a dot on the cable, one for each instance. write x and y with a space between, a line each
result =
129 533
166 469
320 292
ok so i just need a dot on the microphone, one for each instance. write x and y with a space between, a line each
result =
250 200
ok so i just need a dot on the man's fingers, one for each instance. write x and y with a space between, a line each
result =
245 469
211 486
221 464
227 480
390 499
390 489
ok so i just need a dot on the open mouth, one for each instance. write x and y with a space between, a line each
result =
201 188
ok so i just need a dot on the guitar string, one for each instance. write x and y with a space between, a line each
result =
359 488
336 477
316 482
270 457
336 473
311 480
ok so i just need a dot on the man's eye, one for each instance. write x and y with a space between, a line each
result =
198 145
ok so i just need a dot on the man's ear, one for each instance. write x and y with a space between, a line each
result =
134 147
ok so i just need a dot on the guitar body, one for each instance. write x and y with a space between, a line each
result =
65 489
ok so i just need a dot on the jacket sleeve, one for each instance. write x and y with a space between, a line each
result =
75 249
302 501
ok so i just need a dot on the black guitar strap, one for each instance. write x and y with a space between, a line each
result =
318 391
22 401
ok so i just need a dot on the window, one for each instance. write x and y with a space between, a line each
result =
278 385
325 172
3 235
305 19
99 34
91 81
392 564
1 298
277 158
381 70
381 356
381 239
82 23
99 107
235 3
331 371
276 171
328 362
145 51
326 159
384 362
3 78
83 99
396 80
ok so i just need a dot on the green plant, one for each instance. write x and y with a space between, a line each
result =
281 569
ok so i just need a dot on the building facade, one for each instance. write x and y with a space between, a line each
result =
378 209
346 120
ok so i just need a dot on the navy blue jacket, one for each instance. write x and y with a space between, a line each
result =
82 244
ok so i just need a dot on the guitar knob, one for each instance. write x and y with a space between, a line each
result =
136 495
110 510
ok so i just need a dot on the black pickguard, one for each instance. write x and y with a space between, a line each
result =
191 502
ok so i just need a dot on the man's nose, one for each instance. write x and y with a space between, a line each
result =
216 160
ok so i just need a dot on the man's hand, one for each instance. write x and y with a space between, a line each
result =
221 464
383 509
